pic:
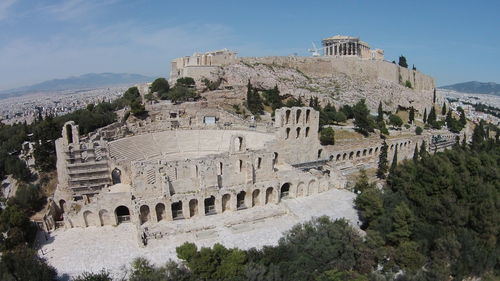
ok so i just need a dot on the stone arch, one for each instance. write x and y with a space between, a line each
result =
122 214
298 133
193 207
287 133
269 195
358 153
307 132
351 155
116 176
275 159
177 210
89 218
392 146
210 205
285 190
240 200
308 113
301 191
287 116
344 156
105 217
297 116
364 152
312 187
160 212
255 197
330 158
144 214
370 151
376 150
338 157
226 199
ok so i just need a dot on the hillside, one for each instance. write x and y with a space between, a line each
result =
475 87
85 81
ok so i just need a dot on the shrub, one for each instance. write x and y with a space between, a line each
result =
418 130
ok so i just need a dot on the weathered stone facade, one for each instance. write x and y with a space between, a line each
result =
348 46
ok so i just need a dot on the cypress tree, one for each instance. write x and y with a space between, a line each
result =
425 116
411 116
380 115
443 110
394 161
382 162
415 153
434 96
464 141
423 150
431 119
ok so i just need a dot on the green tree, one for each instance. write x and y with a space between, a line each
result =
187 82
160 86
327 136
254 102
382 161
443 109
380 113
88 276
423 150
23 264
434 96
402 62
462 120
394 161
425 116
408 84
415 153
411 115
362 121
395 120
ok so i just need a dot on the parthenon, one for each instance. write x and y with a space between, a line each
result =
347 46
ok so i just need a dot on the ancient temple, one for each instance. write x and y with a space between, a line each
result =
347 46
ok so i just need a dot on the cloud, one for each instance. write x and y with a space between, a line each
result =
71 9
4 8
123 47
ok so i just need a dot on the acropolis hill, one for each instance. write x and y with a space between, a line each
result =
340 76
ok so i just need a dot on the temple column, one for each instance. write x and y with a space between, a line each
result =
355 48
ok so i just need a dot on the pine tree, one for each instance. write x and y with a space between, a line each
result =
382 161
380 115
394 161
411 116
415 153
425 116
443 110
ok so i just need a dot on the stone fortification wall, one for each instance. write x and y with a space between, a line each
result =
320 67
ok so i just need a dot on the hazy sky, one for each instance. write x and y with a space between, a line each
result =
454 41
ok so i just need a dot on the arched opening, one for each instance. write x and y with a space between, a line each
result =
351 155
275 160
344 156
88 217
287 133
392 146
269 195
297 116
177 210
298 133
312 188
308 112
370 152
116 176
122 214
376 150
364 152
160 211
330 158
307 132
210 206
225 202
69 133
219 169
255 198
285 190
240 200
287 116
301 190
193 207
358 153
319 153
105 218
238 143
240 165
144 213
259 162
338 157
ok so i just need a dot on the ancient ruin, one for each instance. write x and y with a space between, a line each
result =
348 46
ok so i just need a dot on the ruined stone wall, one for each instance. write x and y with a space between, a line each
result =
328 66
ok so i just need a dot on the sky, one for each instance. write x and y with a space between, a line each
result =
451 40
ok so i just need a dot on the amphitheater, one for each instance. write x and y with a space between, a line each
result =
194 160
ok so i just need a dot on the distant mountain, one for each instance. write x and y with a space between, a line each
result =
86 81
475 87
